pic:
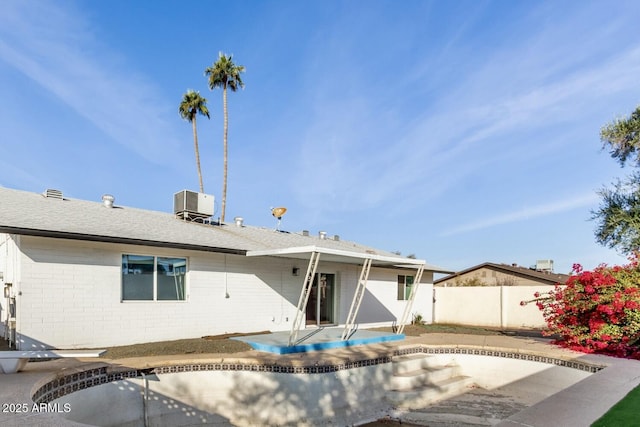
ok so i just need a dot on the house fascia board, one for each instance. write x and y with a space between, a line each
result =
344 256
112 239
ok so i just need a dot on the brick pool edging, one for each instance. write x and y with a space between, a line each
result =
63 385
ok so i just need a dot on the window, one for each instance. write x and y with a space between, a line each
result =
405 283
150 278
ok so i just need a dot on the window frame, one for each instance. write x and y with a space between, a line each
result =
155 279
405 287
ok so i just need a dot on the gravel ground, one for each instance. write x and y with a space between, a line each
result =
223 343
217 344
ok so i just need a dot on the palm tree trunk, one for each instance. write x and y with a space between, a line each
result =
195 146
224 167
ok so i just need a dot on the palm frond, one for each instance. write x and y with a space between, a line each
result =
192 104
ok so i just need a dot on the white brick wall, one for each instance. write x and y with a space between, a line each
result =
9 267
71 296
382 294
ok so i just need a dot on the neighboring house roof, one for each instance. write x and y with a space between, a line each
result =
27 213
515 270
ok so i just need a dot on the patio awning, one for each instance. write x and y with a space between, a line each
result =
367 259
348 257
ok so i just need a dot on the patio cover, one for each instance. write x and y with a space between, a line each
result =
348 257
313 253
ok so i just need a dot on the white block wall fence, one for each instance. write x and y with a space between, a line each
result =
489 306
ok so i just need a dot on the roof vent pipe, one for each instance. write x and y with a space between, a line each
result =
239 221
322 235
107 200
336 238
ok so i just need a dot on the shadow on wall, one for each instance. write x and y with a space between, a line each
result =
77 253
372 310
344 397
122 403
284 284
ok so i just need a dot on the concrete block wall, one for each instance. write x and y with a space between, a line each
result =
490 306
71 295
382 286
10 272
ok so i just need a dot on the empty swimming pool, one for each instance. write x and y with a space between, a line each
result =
344 393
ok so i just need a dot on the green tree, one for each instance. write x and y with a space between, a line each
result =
193 104
622 137
225 74
618 216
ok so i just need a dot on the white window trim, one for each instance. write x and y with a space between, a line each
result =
155 281
405 297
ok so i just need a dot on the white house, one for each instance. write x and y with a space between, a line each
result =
80 274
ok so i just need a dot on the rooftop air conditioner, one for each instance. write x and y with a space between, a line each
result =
544 265
189 204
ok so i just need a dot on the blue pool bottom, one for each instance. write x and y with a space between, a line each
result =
315 340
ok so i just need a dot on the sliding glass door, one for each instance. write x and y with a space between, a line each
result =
321 300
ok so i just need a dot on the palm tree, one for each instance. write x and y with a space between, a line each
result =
193 104
225 74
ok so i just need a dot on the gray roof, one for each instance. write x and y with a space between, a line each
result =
34 214
516 270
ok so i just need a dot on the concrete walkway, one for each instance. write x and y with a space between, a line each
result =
578 405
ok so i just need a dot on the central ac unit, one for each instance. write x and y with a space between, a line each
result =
189 204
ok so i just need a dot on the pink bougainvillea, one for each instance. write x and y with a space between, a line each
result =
596 311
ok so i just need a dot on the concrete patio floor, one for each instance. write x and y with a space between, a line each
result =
578 405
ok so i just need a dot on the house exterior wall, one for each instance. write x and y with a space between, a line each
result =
70 295
9 269
382 287
4 249
490 277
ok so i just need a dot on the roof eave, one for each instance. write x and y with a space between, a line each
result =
115 239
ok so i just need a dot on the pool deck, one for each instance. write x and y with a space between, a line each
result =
578 405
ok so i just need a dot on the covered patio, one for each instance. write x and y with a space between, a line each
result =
334 337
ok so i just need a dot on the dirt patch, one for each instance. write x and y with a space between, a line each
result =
208 344
223 344
416 330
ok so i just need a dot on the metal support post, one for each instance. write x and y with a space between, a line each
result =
357 299
304 297
412 297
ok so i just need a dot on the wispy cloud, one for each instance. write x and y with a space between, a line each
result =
56 48
362 154
524 214
20 175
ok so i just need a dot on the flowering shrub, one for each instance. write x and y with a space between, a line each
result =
597 311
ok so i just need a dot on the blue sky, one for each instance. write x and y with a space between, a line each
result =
461 132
